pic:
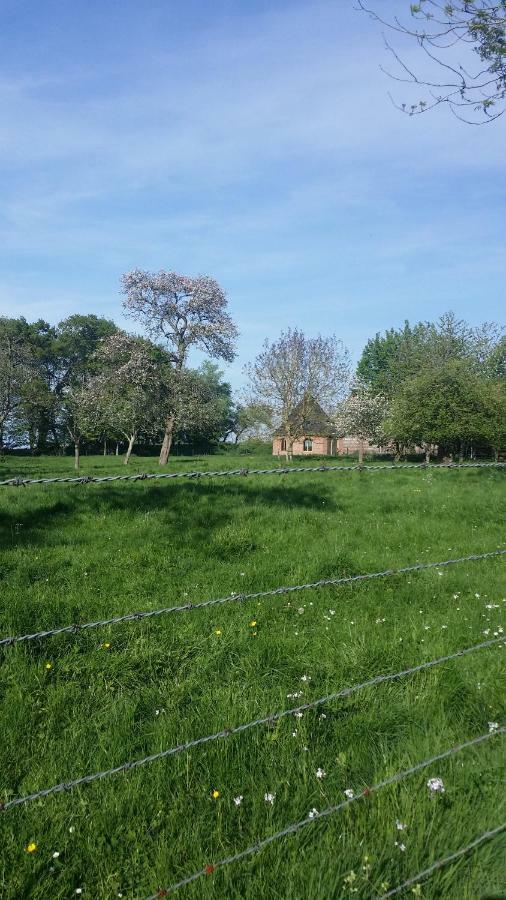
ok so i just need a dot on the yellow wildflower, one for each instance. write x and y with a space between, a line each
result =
215 794
217 631
253 634
48 666
106 645
32 846
252 623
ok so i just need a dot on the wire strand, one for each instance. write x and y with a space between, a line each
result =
486 836
227 732
240 598
328 811
18 481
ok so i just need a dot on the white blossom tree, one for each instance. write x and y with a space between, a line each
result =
290 374
362 415
185 313
126 393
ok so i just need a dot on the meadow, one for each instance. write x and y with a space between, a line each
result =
77 703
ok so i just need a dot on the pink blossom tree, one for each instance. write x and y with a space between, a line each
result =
185 313
126 393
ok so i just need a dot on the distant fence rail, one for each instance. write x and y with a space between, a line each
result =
18 481
239 598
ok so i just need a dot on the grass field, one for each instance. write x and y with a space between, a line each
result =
75 704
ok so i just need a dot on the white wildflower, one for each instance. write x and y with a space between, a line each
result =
349 793
269 798
313 813
238 800
436 785
320 773
400 825
493 726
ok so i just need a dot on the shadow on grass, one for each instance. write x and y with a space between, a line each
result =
186 509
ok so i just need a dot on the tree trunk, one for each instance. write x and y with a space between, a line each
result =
76 454
361 453
427 454
167 441
496 454
105 446
131 441
117 448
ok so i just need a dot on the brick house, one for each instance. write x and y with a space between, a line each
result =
320 437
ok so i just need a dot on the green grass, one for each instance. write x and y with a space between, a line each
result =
73 553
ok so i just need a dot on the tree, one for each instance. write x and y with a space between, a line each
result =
446 407
126 393
388 360
186 313
473 86
362 414
246 418
16 369
290 374
495 405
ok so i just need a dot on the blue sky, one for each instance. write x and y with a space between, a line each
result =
254 142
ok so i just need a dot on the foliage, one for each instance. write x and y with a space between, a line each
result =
473 85
446 406
388 360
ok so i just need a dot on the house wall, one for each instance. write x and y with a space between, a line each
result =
321 447
325 446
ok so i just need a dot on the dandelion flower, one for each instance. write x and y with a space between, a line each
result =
252 623
215 794
31 848
217 631
48 666
106 645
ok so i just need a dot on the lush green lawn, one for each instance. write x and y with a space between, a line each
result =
73 553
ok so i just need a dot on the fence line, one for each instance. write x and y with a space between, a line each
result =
239 598
227 732
486 836
329 810
18 481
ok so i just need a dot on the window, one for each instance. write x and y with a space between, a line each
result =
308 444
283 445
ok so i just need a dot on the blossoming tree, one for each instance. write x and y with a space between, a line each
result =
185 313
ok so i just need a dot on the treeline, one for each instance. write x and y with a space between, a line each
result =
440 386
85 381
436 386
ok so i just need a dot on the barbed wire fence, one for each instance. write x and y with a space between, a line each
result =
241 598
426 873
19 481
211 867
269 720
